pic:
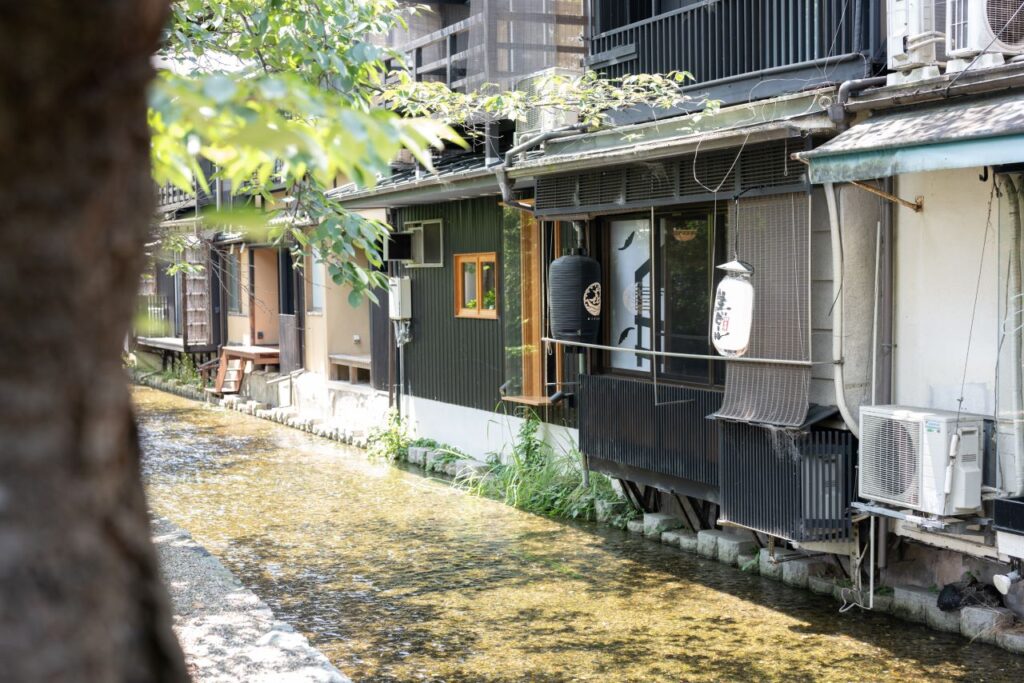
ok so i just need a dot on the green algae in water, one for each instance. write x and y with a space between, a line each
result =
396 577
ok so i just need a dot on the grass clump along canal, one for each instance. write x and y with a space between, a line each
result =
532 475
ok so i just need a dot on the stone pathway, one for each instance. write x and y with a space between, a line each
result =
228 633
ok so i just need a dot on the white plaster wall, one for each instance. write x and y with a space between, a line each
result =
476 432
937 257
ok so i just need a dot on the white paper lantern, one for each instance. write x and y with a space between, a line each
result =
733 311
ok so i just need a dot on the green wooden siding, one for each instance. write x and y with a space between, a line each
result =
454 360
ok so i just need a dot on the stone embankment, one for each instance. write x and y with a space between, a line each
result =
229 634
287 416
432 460
995 626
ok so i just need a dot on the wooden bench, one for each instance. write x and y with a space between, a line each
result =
349 368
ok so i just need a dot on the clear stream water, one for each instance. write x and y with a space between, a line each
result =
397 577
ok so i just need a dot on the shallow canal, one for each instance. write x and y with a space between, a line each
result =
396 577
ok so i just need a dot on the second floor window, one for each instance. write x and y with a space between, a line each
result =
476 285
233 282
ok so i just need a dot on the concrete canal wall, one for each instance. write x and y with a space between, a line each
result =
228 633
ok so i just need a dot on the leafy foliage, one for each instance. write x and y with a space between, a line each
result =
587 96
534 477
280 95
537 478
289 96
185 371
390 441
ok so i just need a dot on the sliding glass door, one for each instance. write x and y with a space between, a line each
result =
629 296
689 242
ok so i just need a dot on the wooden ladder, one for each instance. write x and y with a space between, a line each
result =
230 374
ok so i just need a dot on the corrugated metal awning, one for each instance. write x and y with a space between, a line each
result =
976 132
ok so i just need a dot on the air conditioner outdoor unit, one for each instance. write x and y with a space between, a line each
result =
983 32
541 119
906 459
916 39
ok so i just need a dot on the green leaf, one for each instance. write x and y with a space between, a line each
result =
219 88
273 88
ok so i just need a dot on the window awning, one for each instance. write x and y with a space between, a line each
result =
972 133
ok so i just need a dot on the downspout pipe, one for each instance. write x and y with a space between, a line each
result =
837 314
500 168
837 111
1013 190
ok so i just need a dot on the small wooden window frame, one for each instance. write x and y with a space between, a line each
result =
478 259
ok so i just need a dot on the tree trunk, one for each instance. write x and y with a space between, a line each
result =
80 593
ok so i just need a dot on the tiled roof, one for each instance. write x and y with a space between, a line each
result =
446 170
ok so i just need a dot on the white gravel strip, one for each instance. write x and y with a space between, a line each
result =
228 634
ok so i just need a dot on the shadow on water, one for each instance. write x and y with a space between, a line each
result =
398 577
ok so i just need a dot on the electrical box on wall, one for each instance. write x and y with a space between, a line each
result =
399 298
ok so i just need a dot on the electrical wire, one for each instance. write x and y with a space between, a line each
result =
977 294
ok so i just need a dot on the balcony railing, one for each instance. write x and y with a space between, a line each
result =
170 197
500 43
443 55
729 41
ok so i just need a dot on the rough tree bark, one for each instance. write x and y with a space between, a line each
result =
80 594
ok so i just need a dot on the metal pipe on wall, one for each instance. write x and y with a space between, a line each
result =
669 354
1015 305
837 318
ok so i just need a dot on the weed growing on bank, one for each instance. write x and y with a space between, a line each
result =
185 371
533 476
389 441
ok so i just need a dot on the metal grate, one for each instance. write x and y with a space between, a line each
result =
557 191
602 187
652 180
769 166
707 172
694 177
889 460
1001 19
724 39
792 485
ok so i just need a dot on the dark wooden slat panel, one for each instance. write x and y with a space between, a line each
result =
622 421
454 360
793 486
291 349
